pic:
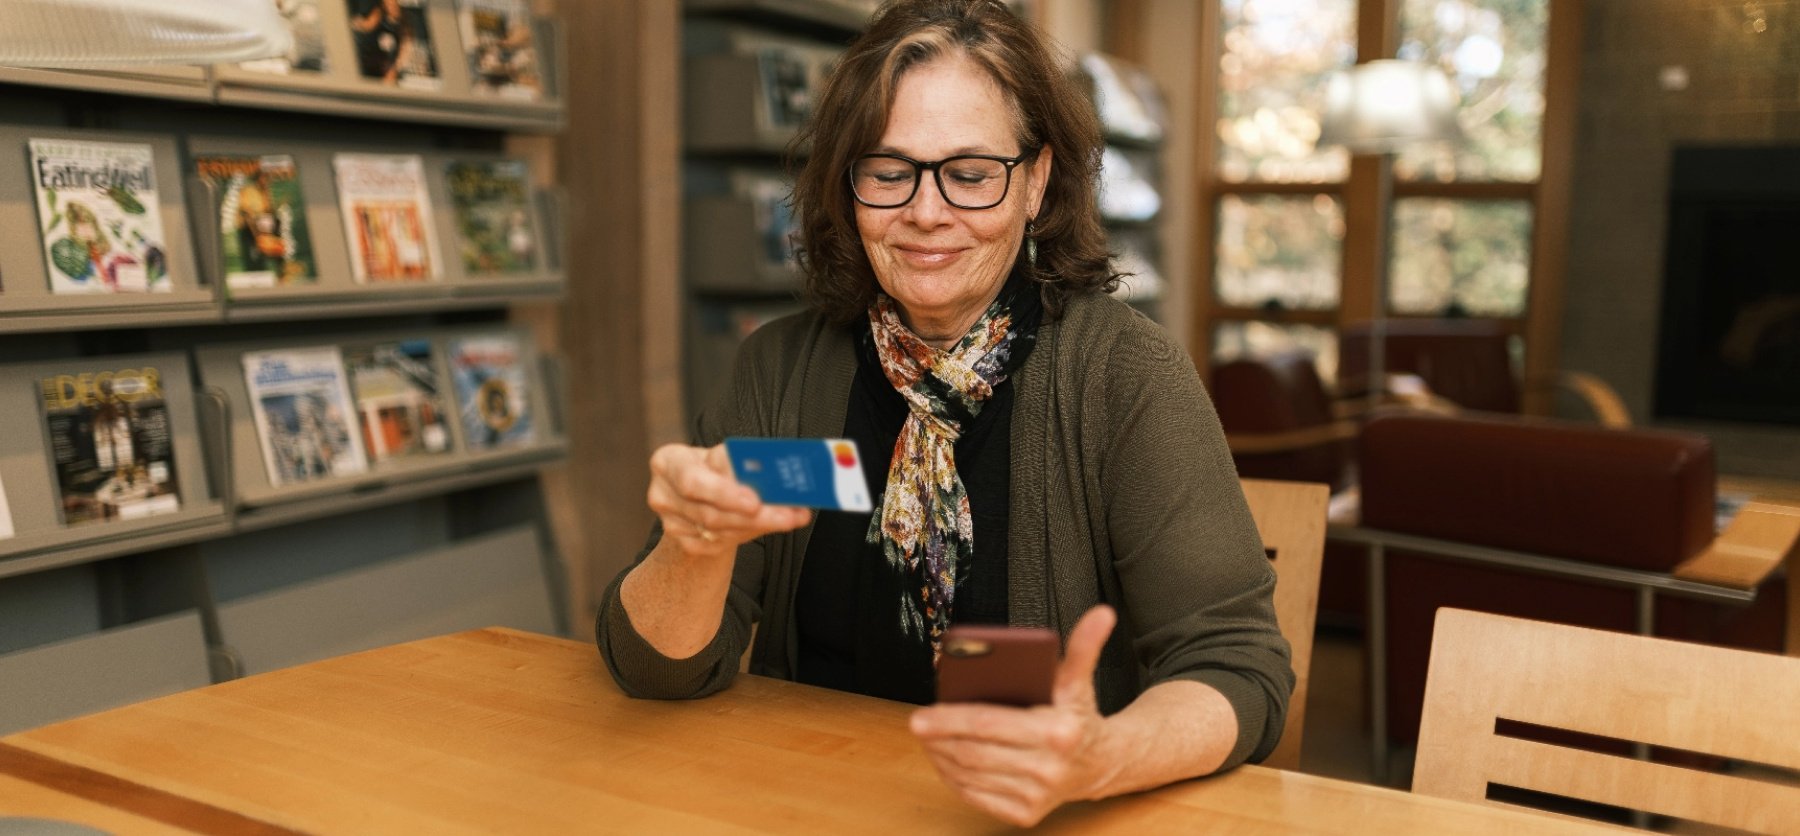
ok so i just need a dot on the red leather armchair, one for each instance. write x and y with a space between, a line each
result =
1281 404
1629 499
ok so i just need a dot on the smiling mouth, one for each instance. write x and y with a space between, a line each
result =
931 255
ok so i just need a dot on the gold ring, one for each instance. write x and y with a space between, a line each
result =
708 536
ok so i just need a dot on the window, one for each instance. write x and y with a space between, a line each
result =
1298 239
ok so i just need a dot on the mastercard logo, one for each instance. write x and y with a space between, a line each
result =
845 454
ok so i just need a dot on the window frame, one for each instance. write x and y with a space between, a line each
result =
1370 189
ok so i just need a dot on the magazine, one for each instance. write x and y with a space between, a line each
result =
492 202
99 217
399 399
262 220
387 217
497 37
302 408
308 52
788 82
6 526
491 390
773 210
393 43
111 443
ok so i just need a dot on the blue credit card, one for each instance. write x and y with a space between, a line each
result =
809 472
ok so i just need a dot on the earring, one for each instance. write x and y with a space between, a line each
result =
1031 243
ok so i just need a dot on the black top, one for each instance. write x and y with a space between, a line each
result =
847 611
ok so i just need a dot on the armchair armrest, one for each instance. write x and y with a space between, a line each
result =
1757 540
1601 399
1282 442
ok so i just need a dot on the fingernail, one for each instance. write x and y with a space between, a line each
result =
919 723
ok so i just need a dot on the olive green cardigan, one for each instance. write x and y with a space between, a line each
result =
1122 492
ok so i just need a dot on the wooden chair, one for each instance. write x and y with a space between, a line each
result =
1714 701
1291 518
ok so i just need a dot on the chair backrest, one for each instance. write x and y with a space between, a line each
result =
1637 498
1697 698
1276 394
1290 516
1465 361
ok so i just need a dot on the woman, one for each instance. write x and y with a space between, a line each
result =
1042 454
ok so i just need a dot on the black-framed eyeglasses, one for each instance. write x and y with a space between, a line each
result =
967 181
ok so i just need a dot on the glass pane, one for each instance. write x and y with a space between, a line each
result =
1493 51
1456 257
1234 339
1279 251
1273 61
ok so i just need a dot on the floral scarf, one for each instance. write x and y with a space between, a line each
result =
922 522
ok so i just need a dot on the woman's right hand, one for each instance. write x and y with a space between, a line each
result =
706 510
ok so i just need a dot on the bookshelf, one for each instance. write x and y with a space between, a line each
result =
247 571
1132 189
749 68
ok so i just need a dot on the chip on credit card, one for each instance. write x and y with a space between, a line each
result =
809 472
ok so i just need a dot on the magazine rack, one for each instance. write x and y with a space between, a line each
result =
27 302
747 84
27 471
472 522
1134 121
341 89
176 83
256 500
336 292
839 15
475 581
747 227
745 89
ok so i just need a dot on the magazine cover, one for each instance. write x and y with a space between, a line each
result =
111 443
773 211
98 216
399 399
491 390
492 202
393 43
6 528
787 86
308 54
496 35
262 220
387 217
303 413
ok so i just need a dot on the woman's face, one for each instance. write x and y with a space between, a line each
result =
943 265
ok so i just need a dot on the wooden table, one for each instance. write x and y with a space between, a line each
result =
502 731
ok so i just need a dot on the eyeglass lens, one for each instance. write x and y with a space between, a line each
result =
966 182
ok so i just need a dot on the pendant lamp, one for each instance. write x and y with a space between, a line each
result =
93 34
1382 107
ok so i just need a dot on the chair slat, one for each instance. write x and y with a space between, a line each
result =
1712 797
1710 700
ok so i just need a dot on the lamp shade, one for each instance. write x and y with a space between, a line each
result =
1380 107
117 33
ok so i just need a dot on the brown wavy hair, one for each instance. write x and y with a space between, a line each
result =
850 114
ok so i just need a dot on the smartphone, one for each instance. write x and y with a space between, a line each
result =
994 664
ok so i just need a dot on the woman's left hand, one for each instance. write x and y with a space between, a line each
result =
1018 764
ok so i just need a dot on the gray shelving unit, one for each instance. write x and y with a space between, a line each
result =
749 68
1134 120
246 575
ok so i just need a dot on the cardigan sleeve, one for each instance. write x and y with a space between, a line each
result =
1197 588
640 669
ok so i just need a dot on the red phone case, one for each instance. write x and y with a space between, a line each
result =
1003 665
